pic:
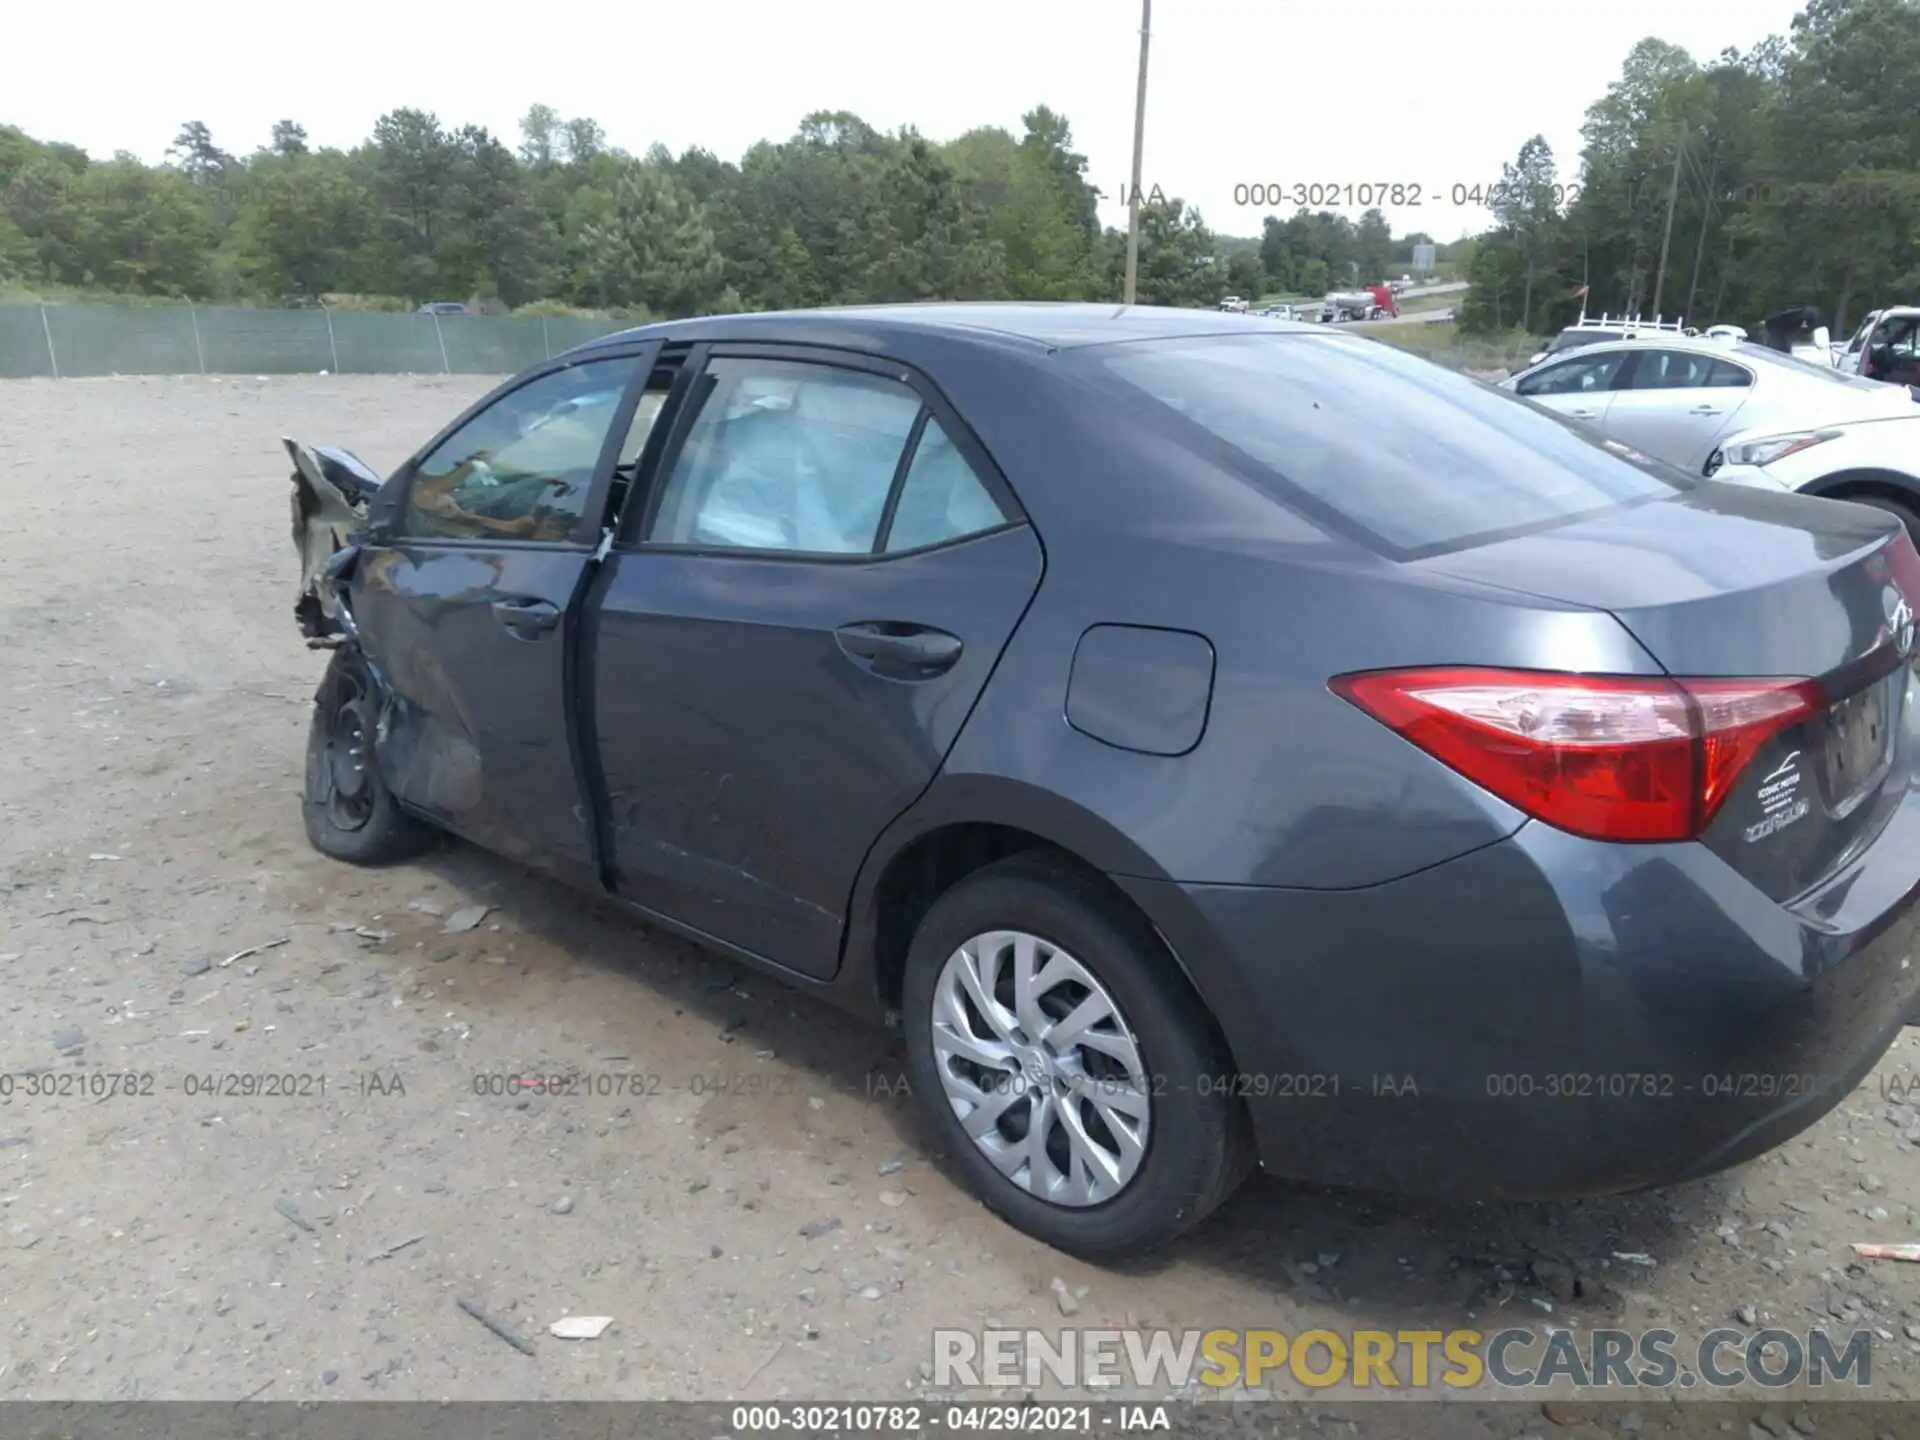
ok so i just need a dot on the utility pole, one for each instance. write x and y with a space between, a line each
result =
1139 142
1726 265
1706 219
1673 196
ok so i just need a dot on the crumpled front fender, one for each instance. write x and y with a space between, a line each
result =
332 490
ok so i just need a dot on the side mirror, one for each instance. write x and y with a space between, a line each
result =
1822 336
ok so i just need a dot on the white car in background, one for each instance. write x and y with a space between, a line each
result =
1677 397
1870 462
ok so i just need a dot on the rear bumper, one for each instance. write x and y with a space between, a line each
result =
1548 1016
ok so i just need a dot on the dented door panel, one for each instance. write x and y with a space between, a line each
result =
477 731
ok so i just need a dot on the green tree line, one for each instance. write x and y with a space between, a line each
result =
1725 191
1786 174
839 213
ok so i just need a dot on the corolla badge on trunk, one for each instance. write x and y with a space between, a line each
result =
1900 628
1781 802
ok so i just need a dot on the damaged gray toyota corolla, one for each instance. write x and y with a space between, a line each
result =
1208 738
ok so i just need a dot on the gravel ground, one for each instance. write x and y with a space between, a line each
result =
784 1232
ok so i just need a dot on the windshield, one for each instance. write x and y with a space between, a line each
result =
1410 455
1573 339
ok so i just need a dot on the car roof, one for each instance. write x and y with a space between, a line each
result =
1722 345
1706 344
1037 325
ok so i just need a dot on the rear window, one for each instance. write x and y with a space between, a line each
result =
1411 457
1806 369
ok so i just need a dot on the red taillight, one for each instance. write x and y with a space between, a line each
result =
1611 757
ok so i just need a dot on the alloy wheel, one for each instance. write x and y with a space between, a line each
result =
1041 1068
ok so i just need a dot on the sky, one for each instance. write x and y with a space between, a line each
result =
1241 93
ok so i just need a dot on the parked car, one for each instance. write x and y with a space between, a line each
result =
1192 776
1870 462
442 307
1675 398
1885 347
1596 330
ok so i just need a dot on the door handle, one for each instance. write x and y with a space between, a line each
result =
1583 414
898 650
1704 410
526 614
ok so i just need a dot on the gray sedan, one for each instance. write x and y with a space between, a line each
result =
1212 741
1675 397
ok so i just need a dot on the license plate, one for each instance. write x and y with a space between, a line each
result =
1857 742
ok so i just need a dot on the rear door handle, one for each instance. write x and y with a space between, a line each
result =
1704 410
899 650
527 615
1583 414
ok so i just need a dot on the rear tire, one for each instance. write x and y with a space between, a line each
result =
1905 514
1094 1190
350 814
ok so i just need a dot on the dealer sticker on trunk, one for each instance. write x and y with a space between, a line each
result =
1781 802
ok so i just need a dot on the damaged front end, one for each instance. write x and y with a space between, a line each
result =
333 491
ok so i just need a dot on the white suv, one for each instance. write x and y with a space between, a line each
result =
1873 461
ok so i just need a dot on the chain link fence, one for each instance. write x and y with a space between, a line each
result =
69 340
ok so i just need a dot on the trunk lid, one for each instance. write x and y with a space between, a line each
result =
1726 582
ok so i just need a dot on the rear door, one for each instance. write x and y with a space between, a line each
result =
1675 404
785 642
468 605
1579 387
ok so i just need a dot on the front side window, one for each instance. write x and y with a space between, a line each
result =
521 468
1586 375
802 457
1896 349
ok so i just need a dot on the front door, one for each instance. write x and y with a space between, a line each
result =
1579 387
1676 404
786 644
1893 352
468 607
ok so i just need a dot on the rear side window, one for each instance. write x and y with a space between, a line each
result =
1686 370
1410 455
813 459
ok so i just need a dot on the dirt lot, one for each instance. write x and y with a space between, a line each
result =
789 1236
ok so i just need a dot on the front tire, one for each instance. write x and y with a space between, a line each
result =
350 814
1034 996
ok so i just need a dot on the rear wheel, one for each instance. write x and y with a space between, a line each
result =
1070 1069
349 812
1905 514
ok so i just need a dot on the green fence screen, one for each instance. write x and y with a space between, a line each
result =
66 340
